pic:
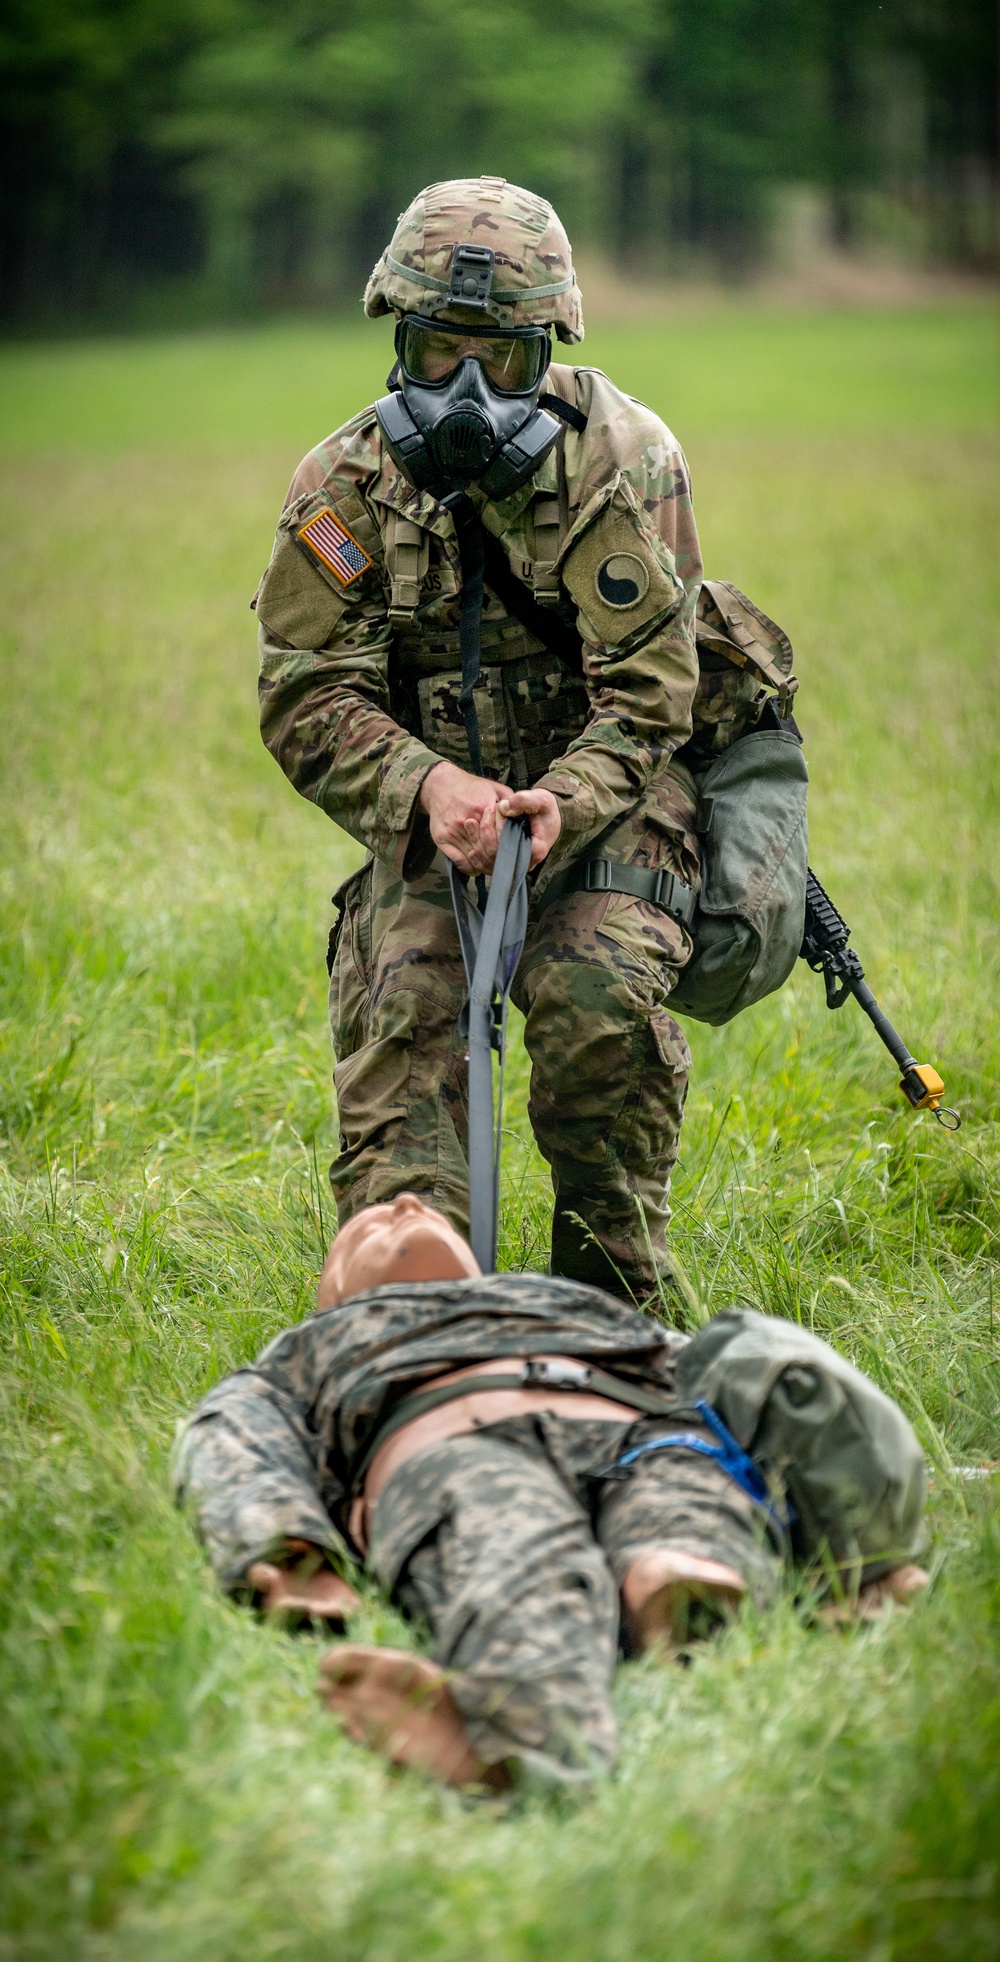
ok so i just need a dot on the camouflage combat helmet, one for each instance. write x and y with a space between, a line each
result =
534 282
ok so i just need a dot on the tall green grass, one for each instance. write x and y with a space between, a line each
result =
169 1786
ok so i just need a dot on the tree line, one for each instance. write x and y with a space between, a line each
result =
216 156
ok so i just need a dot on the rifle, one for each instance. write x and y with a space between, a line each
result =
825 950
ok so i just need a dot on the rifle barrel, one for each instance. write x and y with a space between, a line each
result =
893 1042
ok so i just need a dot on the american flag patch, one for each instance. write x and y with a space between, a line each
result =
332 542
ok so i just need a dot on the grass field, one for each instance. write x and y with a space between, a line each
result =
170 1790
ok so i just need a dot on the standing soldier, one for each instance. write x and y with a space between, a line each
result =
418 706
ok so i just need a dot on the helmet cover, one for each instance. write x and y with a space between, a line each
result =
533 279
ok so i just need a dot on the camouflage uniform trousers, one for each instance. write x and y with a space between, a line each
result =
511 1547
609 1065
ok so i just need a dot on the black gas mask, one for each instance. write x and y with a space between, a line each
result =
464 407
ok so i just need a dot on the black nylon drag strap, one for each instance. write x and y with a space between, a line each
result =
491 943
590 1382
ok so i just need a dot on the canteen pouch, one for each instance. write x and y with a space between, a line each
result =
747 929
842 1450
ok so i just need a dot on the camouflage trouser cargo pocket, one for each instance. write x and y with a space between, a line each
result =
396 991
348 956
609 1063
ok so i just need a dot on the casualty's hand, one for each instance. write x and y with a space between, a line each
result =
546 818
464 815
900 1586
302 1586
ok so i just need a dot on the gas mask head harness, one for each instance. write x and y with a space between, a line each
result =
464 402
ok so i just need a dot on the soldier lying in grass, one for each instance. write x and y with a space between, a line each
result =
589 1495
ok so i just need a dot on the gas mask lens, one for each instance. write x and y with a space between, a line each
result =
513 364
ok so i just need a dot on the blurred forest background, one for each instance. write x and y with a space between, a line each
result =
167 161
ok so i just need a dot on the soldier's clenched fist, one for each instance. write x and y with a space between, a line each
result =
464 815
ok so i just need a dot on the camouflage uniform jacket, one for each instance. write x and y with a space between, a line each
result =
270 1454
360 668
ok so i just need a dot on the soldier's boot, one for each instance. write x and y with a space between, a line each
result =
399 1704
610 1234
669 1597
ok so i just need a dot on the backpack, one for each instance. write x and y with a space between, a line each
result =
842 1450
750 914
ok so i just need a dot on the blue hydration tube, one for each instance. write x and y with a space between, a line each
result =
728 1455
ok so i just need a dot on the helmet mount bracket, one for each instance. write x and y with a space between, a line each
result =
471 277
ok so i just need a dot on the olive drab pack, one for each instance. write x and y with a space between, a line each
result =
839 1447
746 757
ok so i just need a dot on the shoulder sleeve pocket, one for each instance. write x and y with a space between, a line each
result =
295 601
326 556
618 580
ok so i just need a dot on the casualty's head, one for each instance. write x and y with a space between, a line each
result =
405 1240
478 274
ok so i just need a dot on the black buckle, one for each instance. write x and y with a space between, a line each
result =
675 896
597 875
564 1373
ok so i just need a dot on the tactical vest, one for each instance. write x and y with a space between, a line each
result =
531 702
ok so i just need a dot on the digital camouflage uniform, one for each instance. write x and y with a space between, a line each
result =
359 683
506 1541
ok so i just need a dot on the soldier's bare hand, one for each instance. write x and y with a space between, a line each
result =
546 818
464 815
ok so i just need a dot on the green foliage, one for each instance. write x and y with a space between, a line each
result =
168 1787
729 102
81 84
246 155
309 133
